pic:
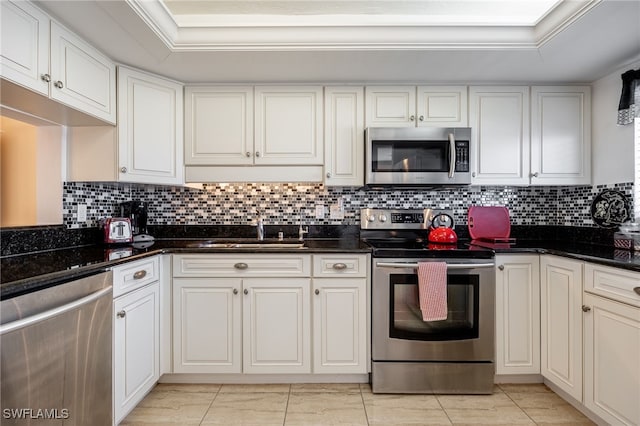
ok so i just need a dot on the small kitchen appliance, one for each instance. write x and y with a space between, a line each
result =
136 211
417 156
117 230
409 355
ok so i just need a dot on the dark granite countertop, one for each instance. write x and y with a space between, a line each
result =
24 273
604 255
28 272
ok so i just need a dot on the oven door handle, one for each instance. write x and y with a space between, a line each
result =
450 266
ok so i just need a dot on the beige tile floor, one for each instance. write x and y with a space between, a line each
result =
348 404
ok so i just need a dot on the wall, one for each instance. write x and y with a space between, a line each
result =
612 144
18 173
235 204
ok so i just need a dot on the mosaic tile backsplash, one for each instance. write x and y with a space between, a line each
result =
283 204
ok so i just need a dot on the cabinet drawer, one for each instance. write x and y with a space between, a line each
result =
242 265
340 264
614 283
131 276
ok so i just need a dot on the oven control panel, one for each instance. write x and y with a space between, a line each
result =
405 218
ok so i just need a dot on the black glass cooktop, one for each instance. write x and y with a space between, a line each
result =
417 248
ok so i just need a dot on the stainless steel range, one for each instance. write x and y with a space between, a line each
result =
409 355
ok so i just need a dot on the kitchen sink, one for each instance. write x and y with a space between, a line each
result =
261 245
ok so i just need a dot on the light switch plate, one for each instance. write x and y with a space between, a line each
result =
319 211
335 212
82 212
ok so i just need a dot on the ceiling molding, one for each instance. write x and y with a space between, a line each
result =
187 33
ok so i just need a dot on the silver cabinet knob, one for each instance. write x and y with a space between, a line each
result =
412 118
121 314
473 174
247 154
235 291
139 275
501 267
585 308
58 84
45 77
637 290
241 265
534 174
123 170
421 118
257 153
317 291
246 291
328 175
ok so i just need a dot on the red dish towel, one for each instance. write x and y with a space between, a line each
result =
432 288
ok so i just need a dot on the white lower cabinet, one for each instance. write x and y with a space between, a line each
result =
561 323
275 328
339 325
136 347
236 313
207 327
612 344
517 314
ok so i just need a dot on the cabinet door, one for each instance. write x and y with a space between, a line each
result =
499 117
136 347
561 323
444 106
206 325
561 135
340 325
390 106
219 125
81 76
288 125
24 56
612 360
150 128
276 325
344 136
518 314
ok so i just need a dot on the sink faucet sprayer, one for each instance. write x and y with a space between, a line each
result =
260 226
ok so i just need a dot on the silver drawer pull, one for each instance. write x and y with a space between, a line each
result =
241 266
339 266
637 290
140 275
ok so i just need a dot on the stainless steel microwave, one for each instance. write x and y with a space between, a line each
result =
414 156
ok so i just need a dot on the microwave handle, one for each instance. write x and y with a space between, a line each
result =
452 155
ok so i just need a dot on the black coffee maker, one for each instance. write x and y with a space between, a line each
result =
136 210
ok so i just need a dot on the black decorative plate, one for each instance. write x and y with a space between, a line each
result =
610 208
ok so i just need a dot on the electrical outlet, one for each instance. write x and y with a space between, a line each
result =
319 211
82 212
335 212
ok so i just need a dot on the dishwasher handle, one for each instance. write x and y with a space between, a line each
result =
33 319
450 266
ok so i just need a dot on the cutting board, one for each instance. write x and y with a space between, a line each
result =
488 223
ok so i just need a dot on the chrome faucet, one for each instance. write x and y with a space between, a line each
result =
302 230
260 226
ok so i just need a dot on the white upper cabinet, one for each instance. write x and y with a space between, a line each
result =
409 106
219 125
560 135
25 45
499 119
45 57
344 136
442 106
150 128
288 125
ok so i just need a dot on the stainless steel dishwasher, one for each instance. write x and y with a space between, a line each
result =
56 354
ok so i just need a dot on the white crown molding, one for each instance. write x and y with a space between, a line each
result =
349 32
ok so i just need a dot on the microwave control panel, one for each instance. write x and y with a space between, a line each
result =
462 156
